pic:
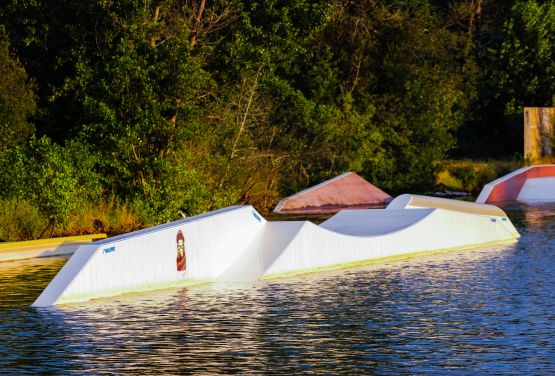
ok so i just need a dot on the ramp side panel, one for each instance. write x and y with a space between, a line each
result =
66 275
501 189
317 248
149 261
262 252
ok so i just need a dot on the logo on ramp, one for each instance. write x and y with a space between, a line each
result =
109 250
256 216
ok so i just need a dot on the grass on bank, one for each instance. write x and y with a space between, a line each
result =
470 176
20 220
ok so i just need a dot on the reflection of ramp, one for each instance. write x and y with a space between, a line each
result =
532 184
236 244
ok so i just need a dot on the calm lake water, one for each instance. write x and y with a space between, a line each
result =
483 311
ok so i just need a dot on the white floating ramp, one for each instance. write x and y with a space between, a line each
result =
345 191
530 185
237 244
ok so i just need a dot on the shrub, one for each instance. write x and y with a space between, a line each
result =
53 178
107 215
466 175
20 220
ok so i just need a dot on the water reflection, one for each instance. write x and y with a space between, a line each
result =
23 280
474 311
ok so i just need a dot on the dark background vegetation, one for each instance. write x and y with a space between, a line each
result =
123 113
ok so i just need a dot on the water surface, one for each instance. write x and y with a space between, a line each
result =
481 311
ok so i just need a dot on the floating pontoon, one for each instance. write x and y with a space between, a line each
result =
237 244
530 185
346 191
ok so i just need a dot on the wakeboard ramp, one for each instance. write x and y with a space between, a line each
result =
529 185
238 244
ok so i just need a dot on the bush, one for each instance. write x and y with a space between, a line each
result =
52 178
20 220
471 176
107 215
467 176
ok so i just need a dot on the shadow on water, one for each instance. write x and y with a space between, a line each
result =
487 310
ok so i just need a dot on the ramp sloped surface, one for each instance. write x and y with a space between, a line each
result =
317 247
373 222
344 191
263 252
537 191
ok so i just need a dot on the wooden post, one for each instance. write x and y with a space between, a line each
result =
538 132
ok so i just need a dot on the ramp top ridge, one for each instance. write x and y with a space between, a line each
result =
179 222
408 201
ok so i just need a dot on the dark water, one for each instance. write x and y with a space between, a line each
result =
484 311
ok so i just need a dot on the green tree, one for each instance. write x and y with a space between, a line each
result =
142 101
513 51
192 105
17 99
525 71
43 173
400 76
273 124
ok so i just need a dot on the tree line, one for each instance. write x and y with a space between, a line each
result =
189 105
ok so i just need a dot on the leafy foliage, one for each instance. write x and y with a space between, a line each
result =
17 99
187 105
527 56
48 176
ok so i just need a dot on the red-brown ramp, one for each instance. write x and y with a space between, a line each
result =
345 191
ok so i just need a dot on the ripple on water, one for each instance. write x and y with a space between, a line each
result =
488 310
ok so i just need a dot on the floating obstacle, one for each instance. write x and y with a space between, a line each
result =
44 247
238 244
345 191
531 185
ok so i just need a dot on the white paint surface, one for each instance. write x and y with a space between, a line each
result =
537 190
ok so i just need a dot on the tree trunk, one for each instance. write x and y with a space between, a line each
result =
198 23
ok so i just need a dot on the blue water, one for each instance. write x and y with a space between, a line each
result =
482 311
